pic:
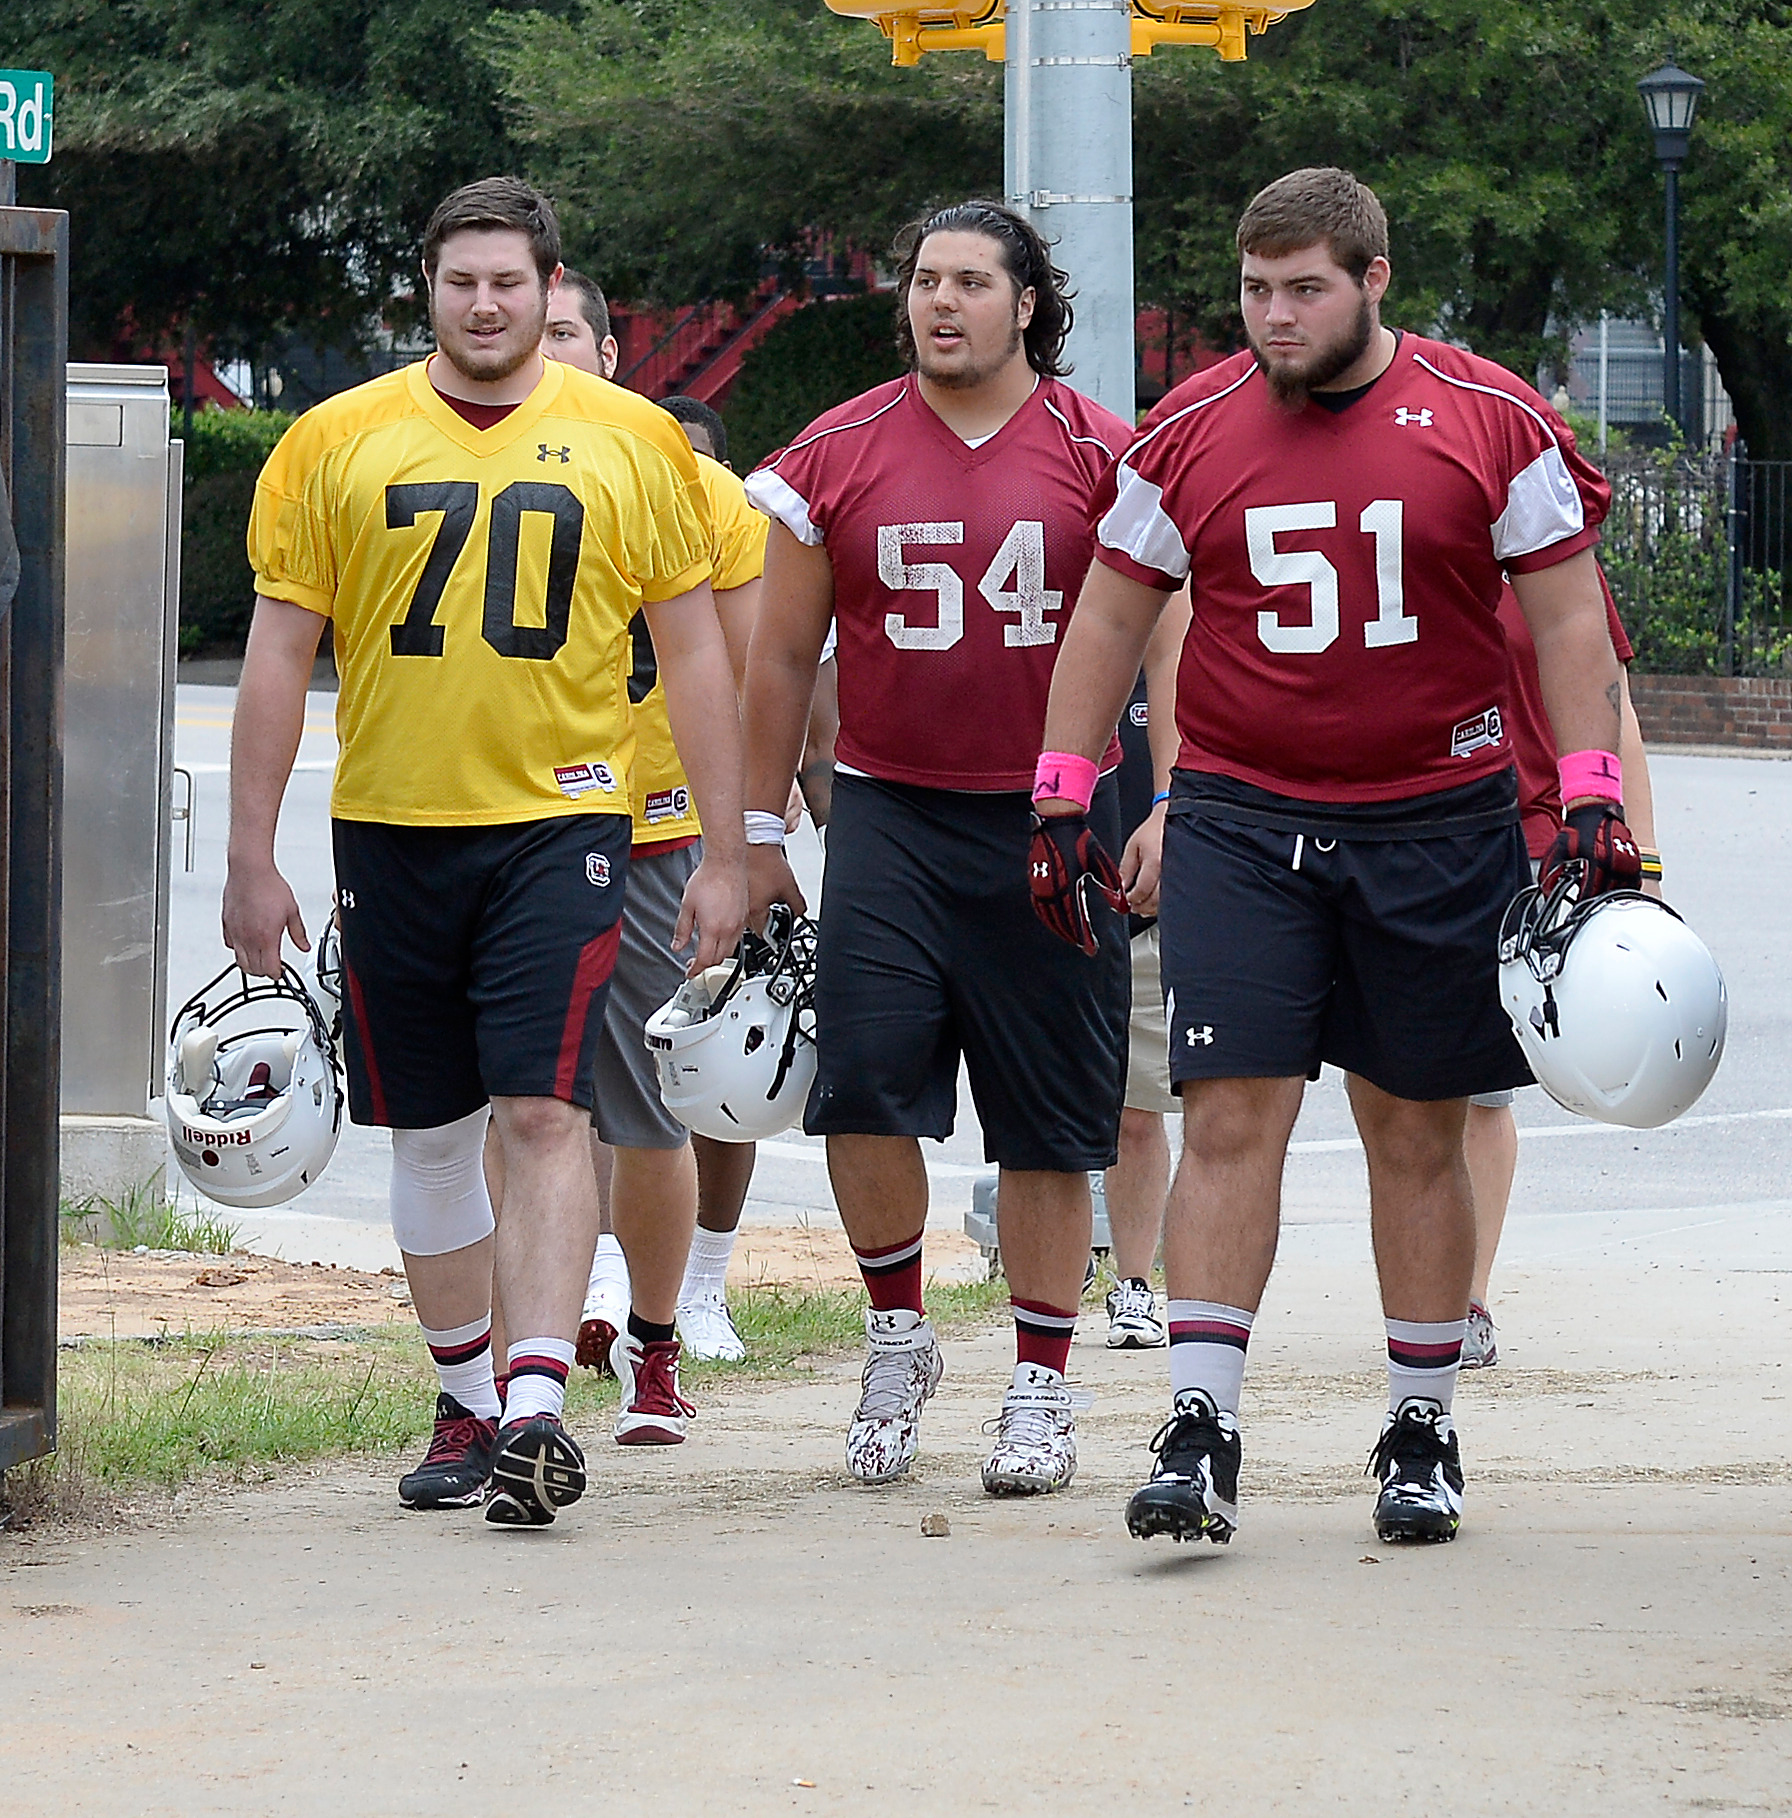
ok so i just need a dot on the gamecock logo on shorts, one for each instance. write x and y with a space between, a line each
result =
597 869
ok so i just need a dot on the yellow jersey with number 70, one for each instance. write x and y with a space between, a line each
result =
480 586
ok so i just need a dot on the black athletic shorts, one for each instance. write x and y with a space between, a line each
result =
930 949
1370 943
477 961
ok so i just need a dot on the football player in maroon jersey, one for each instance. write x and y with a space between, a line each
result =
943 521
1342 836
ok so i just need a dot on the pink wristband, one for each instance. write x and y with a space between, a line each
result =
1063 776
1591 773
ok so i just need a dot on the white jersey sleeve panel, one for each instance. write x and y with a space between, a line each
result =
778 499
1543 506
1137 525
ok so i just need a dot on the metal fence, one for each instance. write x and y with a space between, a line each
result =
1700 561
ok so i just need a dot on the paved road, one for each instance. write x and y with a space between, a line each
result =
1713 1187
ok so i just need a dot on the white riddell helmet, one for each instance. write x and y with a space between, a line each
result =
254 1099
735 1048
1618 1005
327 980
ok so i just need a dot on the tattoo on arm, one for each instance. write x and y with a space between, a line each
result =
1614 696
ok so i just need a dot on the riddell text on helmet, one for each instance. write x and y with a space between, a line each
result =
215 1139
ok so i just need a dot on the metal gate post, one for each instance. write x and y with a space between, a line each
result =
1738 456
33 380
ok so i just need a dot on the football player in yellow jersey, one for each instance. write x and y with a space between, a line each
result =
478 530
633 1318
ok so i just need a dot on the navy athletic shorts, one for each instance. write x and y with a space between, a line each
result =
1349 942
930 950
476 961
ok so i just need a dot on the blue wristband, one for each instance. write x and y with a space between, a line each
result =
1163 795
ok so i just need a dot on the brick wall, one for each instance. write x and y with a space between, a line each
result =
1714 710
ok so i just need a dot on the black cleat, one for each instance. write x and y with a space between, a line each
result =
458 1464
537 1470
1193 1489
1420 1467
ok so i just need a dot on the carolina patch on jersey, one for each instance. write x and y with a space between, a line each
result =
668 804
576 780
1476 734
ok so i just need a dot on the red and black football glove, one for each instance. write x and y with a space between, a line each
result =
1595 836
1065 864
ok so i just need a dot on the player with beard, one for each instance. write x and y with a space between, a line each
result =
942 521
478 530
1342 835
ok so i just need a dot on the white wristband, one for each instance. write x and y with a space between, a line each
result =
763 828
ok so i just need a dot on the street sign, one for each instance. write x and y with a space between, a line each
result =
26 115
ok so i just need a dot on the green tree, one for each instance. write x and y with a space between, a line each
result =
253 167
687 142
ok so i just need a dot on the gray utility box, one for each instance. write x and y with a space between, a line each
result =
124 498
980 1221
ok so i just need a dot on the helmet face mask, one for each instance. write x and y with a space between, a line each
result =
735 1046
254 1092
1618 1005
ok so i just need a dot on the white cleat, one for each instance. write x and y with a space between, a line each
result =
903 1367
707 1328
1133 1324
1035 1449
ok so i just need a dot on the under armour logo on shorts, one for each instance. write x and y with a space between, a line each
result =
1203 1035
597 869
562 455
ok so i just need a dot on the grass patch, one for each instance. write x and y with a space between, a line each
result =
144 1217
154 1416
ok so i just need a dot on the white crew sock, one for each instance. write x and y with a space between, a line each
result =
463 1360
1207 1347
706 1268
609 1275
539 1368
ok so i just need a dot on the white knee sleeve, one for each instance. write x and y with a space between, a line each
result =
439 1201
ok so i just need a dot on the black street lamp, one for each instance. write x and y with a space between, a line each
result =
1670 99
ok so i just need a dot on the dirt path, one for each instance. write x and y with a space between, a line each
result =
717 1627
131 1294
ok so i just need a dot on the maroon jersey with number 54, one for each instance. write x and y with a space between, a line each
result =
1347 566
956 570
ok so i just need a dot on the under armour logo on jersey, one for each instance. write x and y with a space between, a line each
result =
1403 417
1203 1035
563 455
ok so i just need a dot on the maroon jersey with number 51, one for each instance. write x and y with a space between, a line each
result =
1346 566
956 570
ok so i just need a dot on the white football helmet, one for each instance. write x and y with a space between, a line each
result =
1618 1005
735 1048
327 980
254 1097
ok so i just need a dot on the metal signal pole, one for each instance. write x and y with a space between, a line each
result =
1068 167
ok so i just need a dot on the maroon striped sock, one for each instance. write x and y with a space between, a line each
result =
893 1274
1042 1333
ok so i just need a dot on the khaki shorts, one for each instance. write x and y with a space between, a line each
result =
1148 1046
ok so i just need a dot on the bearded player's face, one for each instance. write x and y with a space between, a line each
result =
966 319
1308 320
488 304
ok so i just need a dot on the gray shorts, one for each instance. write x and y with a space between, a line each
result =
1148 1034
625 1104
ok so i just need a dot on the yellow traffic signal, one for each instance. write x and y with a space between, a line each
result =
912 29
1220 25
